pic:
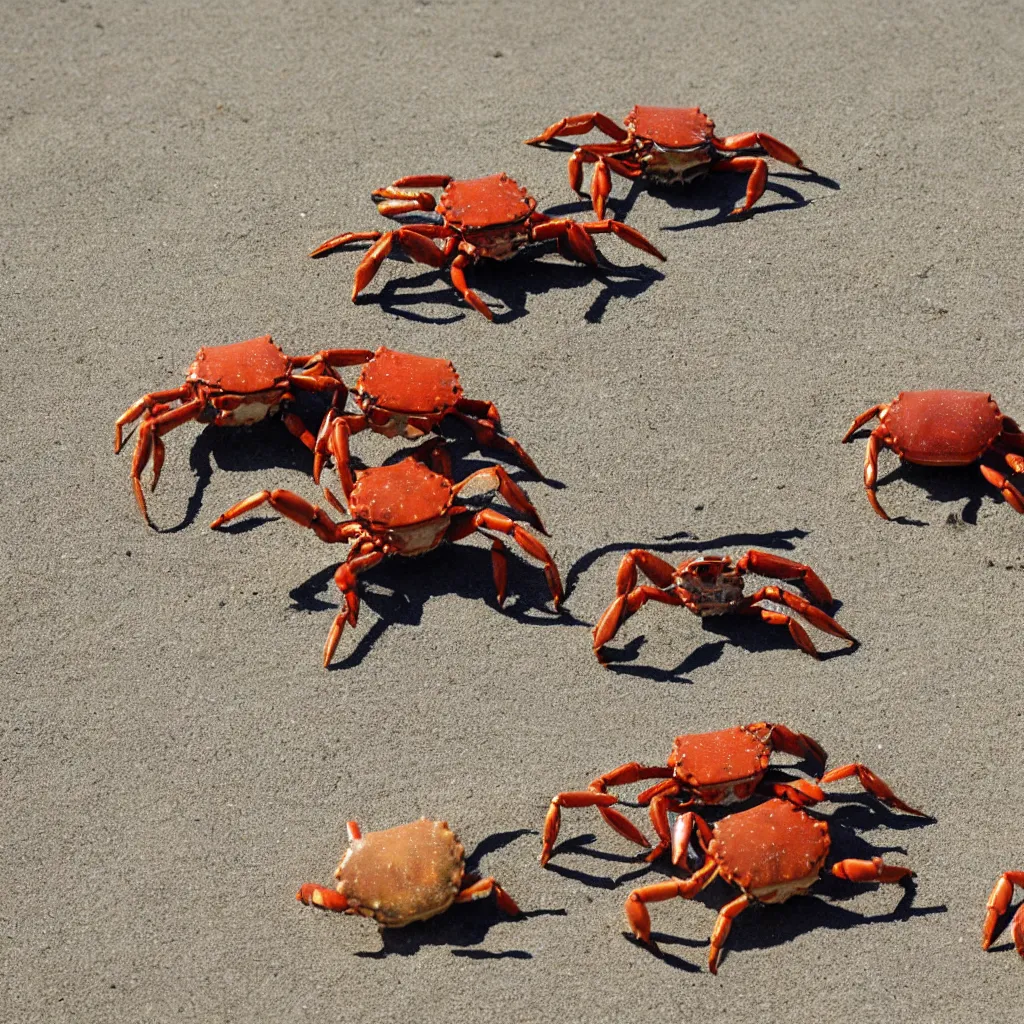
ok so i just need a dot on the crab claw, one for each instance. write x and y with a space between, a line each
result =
318 896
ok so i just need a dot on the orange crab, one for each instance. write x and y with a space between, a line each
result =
408 509
998 904
723 767
666 145
229 386
404 874
483 218
771 852
713 585
405 395
944 428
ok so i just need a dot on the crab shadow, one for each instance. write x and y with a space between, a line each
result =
398 589
763 926
747 632
464 924
512 282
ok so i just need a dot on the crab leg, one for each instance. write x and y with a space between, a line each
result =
134 411
298 429
623 607
581 124
333 439
755 183
998 904
458 276
778 568
782 738
636 911
484 481
625 232
815 616
296 508
333 357
875 441
757 142
475 889
871 783
602 157
149 444
486 434
1014 498
868 871
723 924
490 519
863 418
320 896
359 560
575 238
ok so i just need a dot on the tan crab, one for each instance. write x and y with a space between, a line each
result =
771 852
404 874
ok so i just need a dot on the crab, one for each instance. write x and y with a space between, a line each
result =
404 874
944 428
409 509
711 768
998 904
482 218
713 585
231 385
669 146
771 852
404 395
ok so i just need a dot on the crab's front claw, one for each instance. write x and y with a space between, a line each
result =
319 896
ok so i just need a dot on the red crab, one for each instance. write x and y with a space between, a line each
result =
403 874
230 386
666 145
944 428
404 395
712 585
711 768
408 509
998 904
484 218
771 852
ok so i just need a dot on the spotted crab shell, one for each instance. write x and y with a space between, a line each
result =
402 874
942 428
243 367
485 203
718 758
405 383
403 494
671 127
769 847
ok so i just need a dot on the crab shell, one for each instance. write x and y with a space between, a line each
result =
406 501
256 371
722 767
772 851
673 144
395 386
490 213
942 428
402 874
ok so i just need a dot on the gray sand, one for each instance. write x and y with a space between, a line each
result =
175 760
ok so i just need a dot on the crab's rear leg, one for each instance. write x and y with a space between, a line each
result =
467 522
333 439
134 411
863 418
484 481
361 558
626 233
596 796
778 568
758 171
875 442
148 444
581 124
458 276
478 888
998 904
636 903
871 783
760 141
750 606
566 230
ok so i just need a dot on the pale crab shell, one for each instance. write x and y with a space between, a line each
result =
403 874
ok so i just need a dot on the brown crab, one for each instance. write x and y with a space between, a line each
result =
713 585
944 428
482 218
404 874
229 386
405 395
666 145
711 768
408 509
771 852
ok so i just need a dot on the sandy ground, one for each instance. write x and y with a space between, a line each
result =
174 759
